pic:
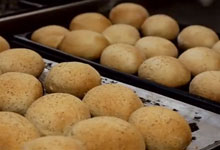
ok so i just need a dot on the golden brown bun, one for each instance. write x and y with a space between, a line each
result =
21 60
15 130
207 85
90 21
54 113
200 59
160 25
18 91
163 129
216 47
121 33
156 46
84 43
165 70
4 45
122 57
107 133
128 13
112 100
72 77
50 35
197 35
54 143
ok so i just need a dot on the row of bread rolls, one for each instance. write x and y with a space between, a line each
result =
101 121
118 44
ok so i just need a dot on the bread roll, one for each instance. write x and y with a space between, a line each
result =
72 77
18 91
128 13
112 100
84 43
90 21
50 35
54 143
160 25
155 46
216 47
107 133
207 85
200 59
163 129
21 60
52 114
165 70
15 130
122 57
121 33
4 45
195 36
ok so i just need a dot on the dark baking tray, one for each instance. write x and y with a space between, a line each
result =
62 15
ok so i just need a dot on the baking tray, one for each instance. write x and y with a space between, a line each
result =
205 125
66 12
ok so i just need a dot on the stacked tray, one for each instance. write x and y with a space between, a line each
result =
62 16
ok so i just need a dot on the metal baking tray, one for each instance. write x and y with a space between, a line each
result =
62 15
205 125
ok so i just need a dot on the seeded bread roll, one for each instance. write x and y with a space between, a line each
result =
90 21
15 130
72 77
207 85
122 57
54 143
52 114
18 91
155 46
84 43
112 100
121 33
165 70
196 36
200 59
128 13
21 60
50 35
4 45
160 25
163 129
110 134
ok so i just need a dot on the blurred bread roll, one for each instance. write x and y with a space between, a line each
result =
15 130
123 57
216 47
165 70
197 36
18 91
121 33
200 59
207 85
155 46
128 13
112 100
160 25
54 143
111 134
163 129
90 21
4 45
84 43
50 35
21 60
72 77
52 114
